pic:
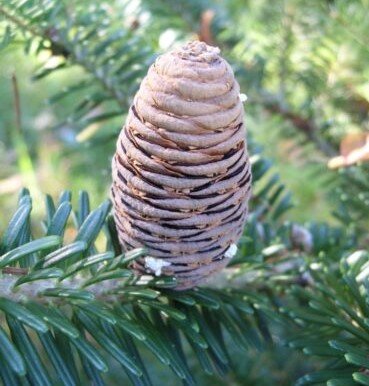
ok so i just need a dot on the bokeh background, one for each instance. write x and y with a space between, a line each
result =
303 65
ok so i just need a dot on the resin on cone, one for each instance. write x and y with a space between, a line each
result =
181 172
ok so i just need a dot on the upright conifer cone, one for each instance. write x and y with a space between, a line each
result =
181 173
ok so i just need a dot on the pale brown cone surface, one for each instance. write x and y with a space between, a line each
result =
181 173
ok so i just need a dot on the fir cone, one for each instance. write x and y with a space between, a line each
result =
181 173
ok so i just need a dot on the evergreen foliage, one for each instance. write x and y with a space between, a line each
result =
55 293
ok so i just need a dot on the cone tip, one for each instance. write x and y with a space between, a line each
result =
198 51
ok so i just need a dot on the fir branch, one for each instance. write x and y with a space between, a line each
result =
72 290
34 291
62 45
304 125
19 22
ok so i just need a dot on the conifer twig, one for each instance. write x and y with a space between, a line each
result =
17 108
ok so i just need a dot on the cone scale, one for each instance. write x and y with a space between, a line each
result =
181 173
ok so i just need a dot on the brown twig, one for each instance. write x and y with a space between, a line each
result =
305 125
15 271
205 33
17 108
